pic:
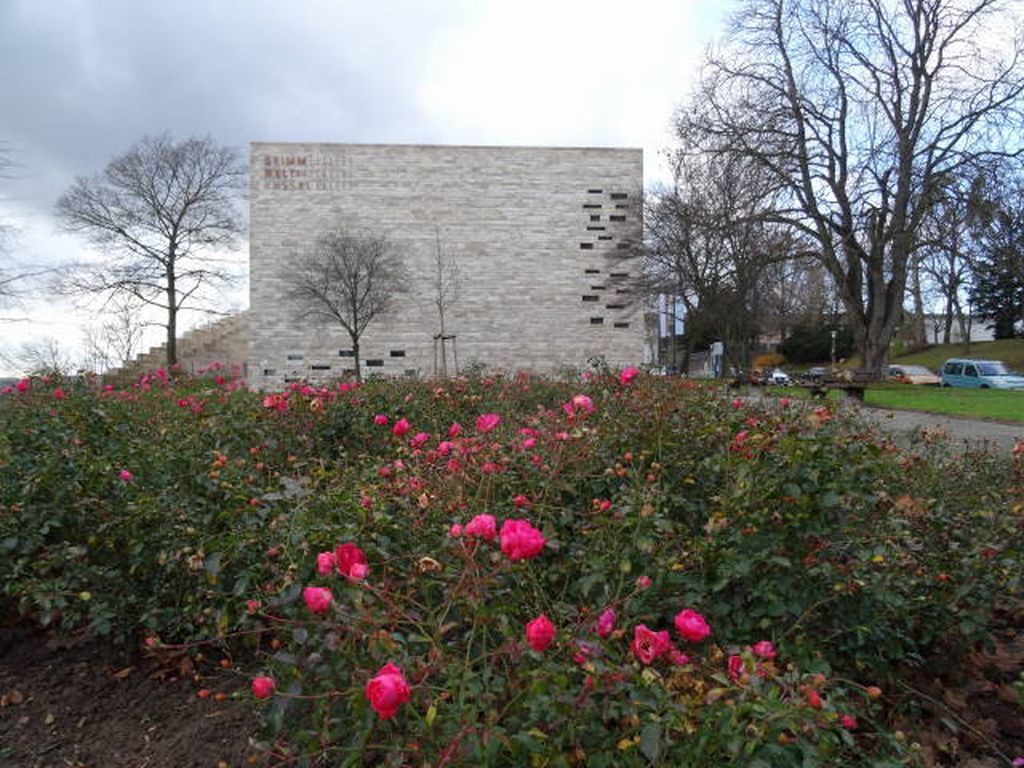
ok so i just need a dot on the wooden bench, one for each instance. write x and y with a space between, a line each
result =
852 386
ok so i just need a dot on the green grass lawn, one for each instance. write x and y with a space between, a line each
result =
973 403
976 403
1010 351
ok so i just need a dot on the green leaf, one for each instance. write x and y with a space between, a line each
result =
650 742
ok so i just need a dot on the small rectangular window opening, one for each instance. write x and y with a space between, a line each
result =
346 353
592 271
615 306
619 275
597 321
595 229
269 372
619 195
595 217
591 298
604 237
294 357
320 367
398 353
622 325
586 246
591 206
595 191
613 217
375 363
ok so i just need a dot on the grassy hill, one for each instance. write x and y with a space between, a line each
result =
1010 351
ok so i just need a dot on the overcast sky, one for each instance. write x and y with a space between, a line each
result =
85 79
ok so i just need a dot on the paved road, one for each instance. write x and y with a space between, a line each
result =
905 426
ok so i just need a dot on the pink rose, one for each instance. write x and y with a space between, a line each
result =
691 626
419 440
764 649
262 687
380 420
648 645
606 622
348 556
22 385
784 402
643 582
387 691
486 422
677 657
318 599
579 403
445 447
849 722
521 501
58 394
627 375
737 403
125 475
455 531
482 527
540 632
325 563
401 427
454 430
520 540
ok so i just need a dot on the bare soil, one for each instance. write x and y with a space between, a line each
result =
81 703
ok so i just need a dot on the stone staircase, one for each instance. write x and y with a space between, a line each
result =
224 341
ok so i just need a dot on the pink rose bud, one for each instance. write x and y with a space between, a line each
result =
737 403
455 531
387 691
401 427
358 571
521 501
643 582
125 475
540 633
520 540
606 622
454 430
325 563
764 649
784 402
262 687
251 606
849 722
735 666
380 420
678 658
691 626
318 599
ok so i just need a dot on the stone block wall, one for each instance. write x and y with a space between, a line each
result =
545 241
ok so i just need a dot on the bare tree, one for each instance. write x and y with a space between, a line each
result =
857 108
116 341
348 278
446 292
163 212
707 249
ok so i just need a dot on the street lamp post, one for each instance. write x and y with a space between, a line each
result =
832 333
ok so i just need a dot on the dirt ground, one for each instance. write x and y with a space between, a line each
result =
82 704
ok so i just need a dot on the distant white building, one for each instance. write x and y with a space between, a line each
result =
545 240
977 329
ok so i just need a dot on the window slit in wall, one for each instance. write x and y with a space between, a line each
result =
586 246
597 321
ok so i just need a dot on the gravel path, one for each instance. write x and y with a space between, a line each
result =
998 436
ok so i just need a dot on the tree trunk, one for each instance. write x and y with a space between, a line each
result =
172 318
355 356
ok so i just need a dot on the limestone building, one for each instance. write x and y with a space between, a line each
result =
544 241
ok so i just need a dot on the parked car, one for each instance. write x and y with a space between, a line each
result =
779 378
815 375
912 374
980 374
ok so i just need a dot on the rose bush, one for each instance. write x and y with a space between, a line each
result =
720 582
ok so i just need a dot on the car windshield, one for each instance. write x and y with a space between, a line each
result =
993 369
916 370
